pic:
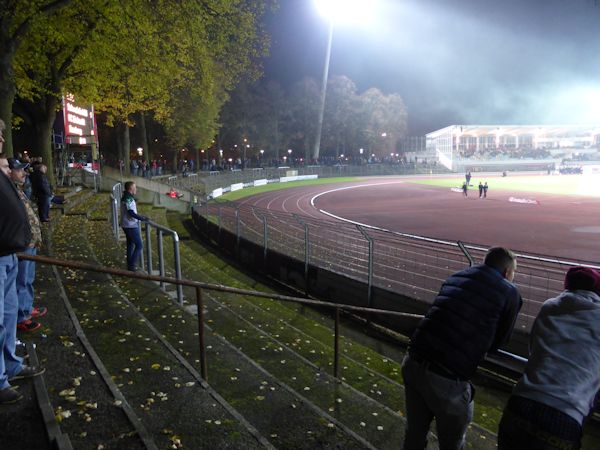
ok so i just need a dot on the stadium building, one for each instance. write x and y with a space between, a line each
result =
514 147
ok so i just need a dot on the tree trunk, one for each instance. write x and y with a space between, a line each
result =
7 97
144 136
43 134
125 146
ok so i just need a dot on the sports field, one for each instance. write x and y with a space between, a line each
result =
530 184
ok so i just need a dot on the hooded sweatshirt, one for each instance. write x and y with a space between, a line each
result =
563 370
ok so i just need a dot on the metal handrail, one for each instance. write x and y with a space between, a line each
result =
160 230
116 194
199 286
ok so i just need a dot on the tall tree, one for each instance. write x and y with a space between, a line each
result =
129 58
304 106
16 19
50 60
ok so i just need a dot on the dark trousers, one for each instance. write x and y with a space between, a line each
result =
44 207
530 425
428 395
134 247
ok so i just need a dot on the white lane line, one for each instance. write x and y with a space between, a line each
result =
312 200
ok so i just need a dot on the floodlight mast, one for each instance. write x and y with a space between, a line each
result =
317 146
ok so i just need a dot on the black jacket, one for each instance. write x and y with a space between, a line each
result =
15 233
40 184
474 313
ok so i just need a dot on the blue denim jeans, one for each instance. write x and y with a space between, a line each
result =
25 279
10 363
430 395
134 247
534 426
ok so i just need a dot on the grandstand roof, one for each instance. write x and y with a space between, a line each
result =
519 130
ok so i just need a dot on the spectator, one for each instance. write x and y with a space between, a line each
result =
557 390
14 237
174 194
133 167
474 313
42 191
130 222
26 273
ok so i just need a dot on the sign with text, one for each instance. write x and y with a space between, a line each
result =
79 122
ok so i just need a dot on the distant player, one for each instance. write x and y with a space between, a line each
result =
485 188
465 188
480 189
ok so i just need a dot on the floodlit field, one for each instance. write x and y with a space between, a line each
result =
547 184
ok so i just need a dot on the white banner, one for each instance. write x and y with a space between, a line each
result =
237 187
262 182
298 178
217 193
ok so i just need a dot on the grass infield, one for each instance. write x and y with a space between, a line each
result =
236 195
588 185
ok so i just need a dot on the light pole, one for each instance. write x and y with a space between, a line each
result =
290 156
262 152
317 146
356 11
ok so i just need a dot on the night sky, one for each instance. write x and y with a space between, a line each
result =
455 61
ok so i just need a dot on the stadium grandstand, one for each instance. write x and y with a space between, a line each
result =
514 147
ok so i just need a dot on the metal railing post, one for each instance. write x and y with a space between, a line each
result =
336 344
199 304
161 258
306 251
219 224
265 238
306 256
466 253
370 269
237 229
142 258
206 216
114 206
148 249
178 267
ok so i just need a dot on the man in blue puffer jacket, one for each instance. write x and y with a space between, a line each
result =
562 377
474 313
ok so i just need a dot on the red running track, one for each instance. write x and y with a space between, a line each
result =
563 226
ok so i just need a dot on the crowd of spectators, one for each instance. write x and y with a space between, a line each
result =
19 233
501 152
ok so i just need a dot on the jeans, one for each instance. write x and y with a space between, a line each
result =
10 363
134 246
25 279
530 425
430 395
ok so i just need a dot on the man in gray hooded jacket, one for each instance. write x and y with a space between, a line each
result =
562 377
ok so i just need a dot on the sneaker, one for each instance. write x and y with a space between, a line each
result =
28 372
40 311
28 326
8 396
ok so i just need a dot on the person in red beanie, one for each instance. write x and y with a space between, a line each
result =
557 391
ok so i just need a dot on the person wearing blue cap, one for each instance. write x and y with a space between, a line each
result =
26 275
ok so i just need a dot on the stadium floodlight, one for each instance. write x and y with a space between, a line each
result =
347 11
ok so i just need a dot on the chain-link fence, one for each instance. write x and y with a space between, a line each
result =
414 266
